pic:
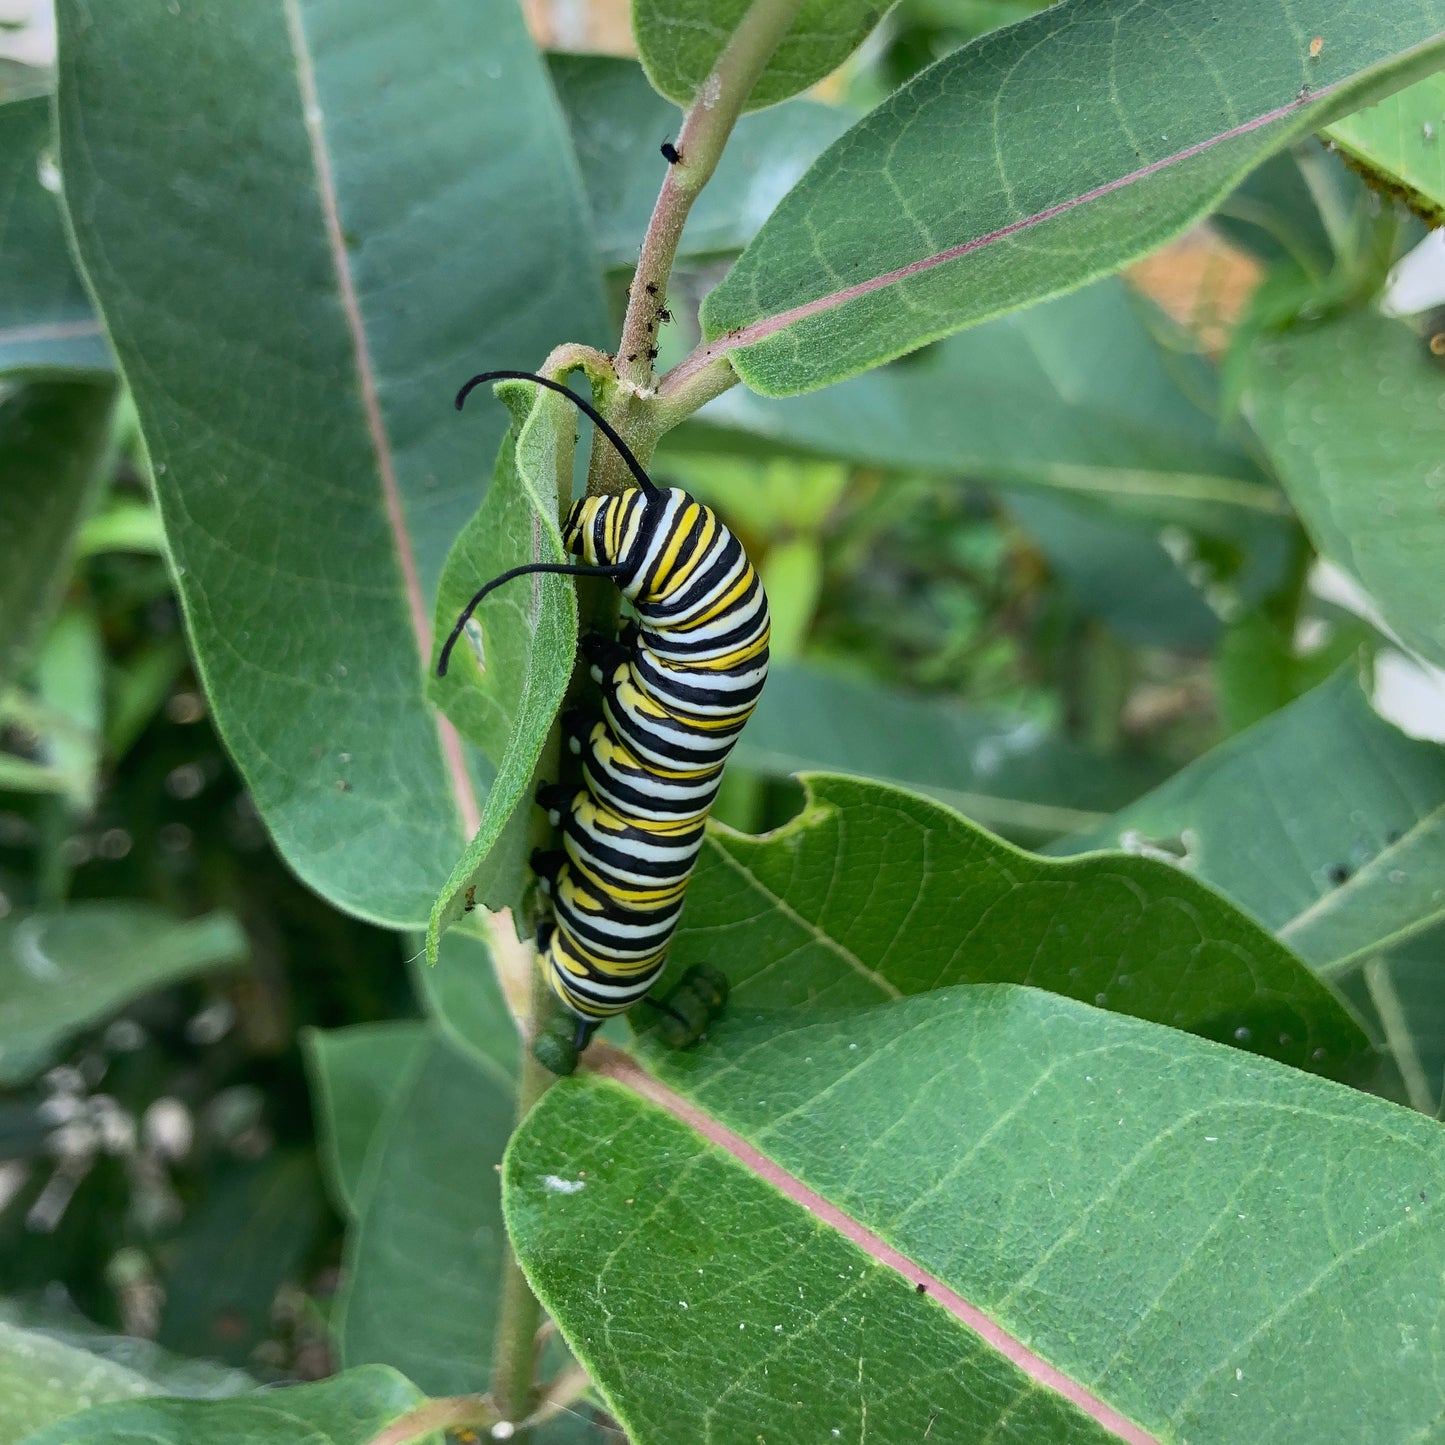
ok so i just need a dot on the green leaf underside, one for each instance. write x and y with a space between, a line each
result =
505 696
54 447
355 1072
42 1380
679 42
294 322
63 970
1219 1248
1035 159
346 1410
1401 144
872 893
47 325
423 1257
616 119
1353 416
1075 394
1005 772
1337 872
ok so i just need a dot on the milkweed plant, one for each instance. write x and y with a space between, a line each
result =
1033 1033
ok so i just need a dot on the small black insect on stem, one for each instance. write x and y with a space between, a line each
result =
670 153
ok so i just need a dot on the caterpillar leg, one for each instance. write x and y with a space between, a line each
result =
577 725
556 800
546 864
606 654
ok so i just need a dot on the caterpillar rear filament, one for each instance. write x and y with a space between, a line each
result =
677 685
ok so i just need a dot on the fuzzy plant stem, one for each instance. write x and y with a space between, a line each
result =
640 420
705 130
520 1314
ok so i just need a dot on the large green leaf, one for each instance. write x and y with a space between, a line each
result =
424 1256
47 324
63 970
1035 159
1401 143
509 671
1324 822
1076 395
616 119
1004 771
355 1073
955 1208
1351 414
54 447
680 41
42 1380
349 1409
382 201
872 894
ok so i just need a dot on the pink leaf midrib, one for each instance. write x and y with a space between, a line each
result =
447 737
756 331
613 1064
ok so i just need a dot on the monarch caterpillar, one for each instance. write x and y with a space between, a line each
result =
678 684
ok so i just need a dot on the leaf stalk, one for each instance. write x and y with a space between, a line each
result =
708 123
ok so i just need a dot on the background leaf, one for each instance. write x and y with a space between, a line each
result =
355 1073
1007 772
1400 141
942 208
47 324
46 1317
1076 394
463 995
42 1380
354 150
64 969
1337 872
872 893
679 42
1350 412
1197 1237
346 1410
55 443
424 1256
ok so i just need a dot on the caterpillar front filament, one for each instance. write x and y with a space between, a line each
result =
677 686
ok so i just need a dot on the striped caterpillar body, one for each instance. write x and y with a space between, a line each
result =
677 685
